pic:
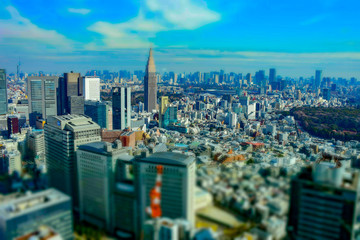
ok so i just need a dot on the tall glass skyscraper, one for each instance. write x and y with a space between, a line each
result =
3 92
121 104
150 84
42 97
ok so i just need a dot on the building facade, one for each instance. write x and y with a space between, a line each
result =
121 105
100 112
91 87
63 136
178 185
42 95
96 174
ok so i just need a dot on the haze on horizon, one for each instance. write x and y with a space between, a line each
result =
187 36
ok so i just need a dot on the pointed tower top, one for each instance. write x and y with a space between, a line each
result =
150 67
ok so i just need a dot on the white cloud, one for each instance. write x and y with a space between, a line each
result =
184 14
20 28
167 16
82 11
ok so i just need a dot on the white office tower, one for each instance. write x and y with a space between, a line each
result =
23 215
14 161
91 87
96 163
177 189
63 135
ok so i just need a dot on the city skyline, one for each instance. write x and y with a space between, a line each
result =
225 35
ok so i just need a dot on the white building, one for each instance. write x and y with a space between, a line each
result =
91 87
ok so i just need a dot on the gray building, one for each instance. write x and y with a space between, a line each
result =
121 105
63 136
150 84
70 94
3 92
96 165
42 97
324 203
178 185
25 214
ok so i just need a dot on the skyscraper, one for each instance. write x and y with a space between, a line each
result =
63 135
121 105
100 112
179 171
70 94
91 87
272 75
42 97
150 85
96 163
318 74
23 215
3 92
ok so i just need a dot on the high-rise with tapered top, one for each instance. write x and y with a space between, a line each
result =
150 85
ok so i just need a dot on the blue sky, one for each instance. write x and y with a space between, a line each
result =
296 37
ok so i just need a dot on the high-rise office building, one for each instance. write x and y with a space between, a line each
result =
169 116
3 93
12 125
179 171
272 75
318 74
91 87
25 214
150 84
100 112
63 136
96 165
121 105
70 94
324 203
42 95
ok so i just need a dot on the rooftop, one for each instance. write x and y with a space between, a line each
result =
32 202
170 158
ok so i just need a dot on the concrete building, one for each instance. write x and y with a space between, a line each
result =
324 203
178 185
36 146
91 87
121 105
3 92
63 136
42 95
150 84
96 164
23 215
318 76
13 159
